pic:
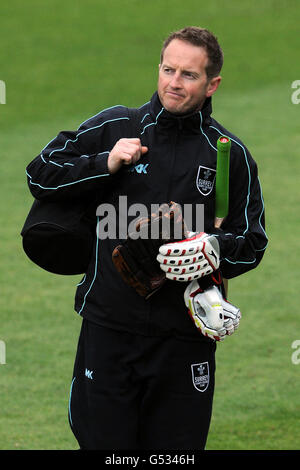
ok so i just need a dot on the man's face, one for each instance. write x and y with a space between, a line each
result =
182 80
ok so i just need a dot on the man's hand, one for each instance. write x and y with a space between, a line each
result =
125 152
211 313
191 258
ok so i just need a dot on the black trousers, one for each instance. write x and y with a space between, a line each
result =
138 392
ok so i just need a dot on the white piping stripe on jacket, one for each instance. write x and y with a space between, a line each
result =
153 123
95 272
66 184
102 111
70 397
83 132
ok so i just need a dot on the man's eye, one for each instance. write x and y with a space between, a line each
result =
189 75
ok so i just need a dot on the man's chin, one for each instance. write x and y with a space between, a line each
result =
181 110
175 108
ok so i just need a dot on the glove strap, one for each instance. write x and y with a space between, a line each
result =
213 279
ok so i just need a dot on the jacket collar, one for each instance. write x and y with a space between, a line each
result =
188 123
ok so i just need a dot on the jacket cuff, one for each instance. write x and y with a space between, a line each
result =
226 242
98 163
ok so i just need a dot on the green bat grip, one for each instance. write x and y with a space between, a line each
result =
222 176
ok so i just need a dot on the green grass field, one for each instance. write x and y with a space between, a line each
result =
62 62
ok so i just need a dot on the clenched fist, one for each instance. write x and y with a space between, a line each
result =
125 152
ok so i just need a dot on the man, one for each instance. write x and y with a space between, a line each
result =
144 374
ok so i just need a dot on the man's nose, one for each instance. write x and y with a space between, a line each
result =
176 80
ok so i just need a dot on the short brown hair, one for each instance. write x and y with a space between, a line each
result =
203 38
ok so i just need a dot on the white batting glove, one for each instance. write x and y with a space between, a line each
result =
190 258
232 316
213 315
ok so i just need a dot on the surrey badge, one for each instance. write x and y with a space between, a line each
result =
200 376
205 180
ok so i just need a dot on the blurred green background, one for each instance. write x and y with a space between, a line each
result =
62 62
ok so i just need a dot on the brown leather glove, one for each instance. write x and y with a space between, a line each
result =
135 258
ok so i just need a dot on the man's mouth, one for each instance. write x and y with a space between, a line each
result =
174 94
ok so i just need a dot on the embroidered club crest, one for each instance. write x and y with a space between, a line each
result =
205 180
200 375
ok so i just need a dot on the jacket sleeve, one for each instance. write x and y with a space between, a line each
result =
75 162
243 239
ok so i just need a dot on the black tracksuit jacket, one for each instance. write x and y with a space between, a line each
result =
181 149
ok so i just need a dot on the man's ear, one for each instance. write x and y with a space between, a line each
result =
213 86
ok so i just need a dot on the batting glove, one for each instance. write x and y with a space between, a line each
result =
191 258
212 314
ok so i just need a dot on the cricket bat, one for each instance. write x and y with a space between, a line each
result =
222 184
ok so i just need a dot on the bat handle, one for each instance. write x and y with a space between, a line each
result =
218 221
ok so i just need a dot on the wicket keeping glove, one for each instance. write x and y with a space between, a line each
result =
189 259
212 314
135 258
